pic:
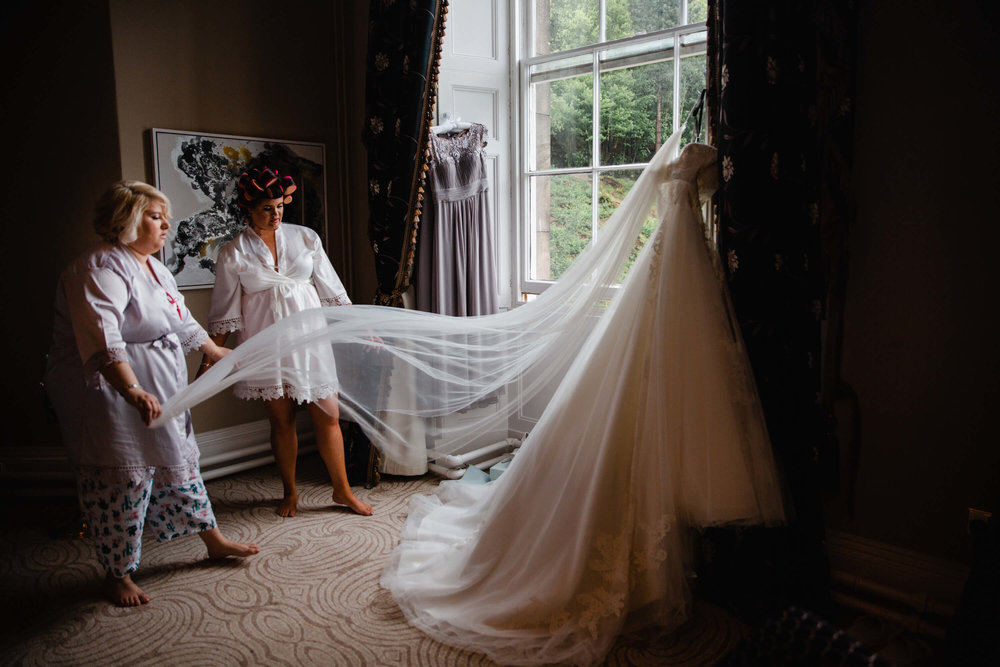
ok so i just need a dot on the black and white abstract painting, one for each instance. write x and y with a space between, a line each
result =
198 173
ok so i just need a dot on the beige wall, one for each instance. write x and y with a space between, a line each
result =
354 45
920 347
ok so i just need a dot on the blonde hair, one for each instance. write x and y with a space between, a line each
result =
120 209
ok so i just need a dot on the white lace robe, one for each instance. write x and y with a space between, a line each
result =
109 308
251 293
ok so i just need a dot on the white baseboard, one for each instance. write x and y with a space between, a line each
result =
234 449
224 451
918 591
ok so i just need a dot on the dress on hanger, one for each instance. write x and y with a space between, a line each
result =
456 268
654 429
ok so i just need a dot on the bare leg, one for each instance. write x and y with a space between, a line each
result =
285 445
330 442
220 547
123 592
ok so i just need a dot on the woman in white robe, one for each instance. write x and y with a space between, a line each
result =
269 271
121 330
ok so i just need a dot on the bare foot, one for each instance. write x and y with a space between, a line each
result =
221 547
123 592
352 501
288 505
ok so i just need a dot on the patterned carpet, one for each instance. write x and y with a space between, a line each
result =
310 598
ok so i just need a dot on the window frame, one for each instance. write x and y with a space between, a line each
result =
522 22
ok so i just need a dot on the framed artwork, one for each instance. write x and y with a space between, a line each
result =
198 173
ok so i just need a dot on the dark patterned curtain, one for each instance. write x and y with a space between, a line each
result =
404 48
781 78
404 42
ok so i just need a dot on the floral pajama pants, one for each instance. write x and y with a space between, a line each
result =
117 512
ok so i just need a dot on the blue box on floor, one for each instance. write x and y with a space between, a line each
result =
498 468
474 475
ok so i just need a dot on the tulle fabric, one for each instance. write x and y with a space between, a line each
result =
653 428
393 363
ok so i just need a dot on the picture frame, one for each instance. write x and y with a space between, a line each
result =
198 171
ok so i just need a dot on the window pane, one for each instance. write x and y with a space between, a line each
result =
697 11
563 115
650 78
565 24
561 224
693 73
611 190
636 112
626 18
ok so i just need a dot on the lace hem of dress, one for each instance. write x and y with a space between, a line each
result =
580 630
225 326
194 341
339 300
298 394
100 359
139 474
618 562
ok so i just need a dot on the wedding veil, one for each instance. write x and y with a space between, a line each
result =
396 365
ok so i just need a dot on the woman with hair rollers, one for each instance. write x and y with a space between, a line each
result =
269 271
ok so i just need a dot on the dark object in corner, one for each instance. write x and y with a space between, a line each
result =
799 637
974 636
360 456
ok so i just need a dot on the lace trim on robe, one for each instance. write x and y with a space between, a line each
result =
339 300
194 341
225 326
92 369
139 474
272 392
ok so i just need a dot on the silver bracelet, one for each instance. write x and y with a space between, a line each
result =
131 386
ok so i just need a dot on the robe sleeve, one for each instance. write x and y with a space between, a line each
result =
97 299
328 285
225 314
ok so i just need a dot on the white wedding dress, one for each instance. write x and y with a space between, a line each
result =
654 430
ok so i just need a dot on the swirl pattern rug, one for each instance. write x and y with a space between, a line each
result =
311 597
